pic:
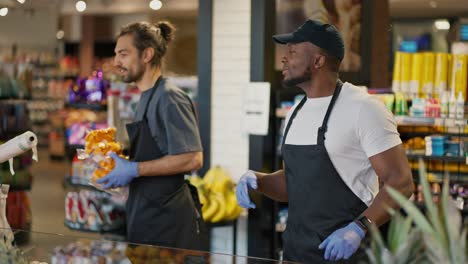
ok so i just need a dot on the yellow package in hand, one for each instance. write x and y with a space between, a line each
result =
101 142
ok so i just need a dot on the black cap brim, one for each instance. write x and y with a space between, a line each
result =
284 38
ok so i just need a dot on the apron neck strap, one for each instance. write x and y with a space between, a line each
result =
156 84
293 115
323 129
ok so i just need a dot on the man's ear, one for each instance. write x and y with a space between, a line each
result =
319 61
148 55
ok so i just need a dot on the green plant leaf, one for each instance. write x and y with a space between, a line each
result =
453 225
392 234
372 254
405 230
432 210
412 211
434 251
411 249
377 246
463 250
398 231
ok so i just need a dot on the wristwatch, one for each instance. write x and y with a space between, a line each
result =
363 222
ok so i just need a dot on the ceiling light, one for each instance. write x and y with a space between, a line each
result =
155 4
442 24
3 11
60 34
21 1
80 6
433 4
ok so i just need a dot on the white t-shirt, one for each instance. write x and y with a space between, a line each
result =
359 127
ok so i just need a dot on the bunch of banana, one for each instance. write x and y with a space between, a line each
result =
217 194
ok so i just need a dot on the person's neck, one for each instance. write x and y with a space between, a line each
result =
148 79
321 85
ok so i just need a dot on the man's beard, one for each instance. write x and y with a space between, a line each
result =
293 82
134 76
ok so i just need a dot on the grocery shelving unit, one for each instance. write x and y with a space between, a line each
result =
48 94
117 230
14 116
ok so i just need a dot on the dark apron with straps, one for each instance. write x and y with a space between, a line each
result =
319 201
161 210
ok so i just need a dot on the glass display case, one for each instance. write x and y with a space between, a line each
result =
63 249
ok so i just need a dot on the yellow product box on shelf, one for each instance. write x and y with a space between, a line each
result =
428 74
441 74
449 72
406 64
459 74
416 74
396 81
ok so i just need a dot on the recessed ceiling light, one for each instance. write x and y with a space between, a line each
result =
3 11
155 4
60 34
80 6
442 24
21 1
433 4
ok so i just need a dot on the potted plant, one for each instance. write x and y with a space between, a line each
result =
439 236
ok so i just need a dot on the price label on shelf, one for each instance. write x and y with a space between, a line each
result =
450 122
460 123
439 122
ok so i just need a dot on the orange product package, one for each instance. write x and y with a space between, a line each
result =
100 143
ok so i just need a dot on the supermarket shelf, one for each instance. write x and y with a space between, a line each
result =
45 98
68 182
13 99
75 146
427 121
422 207
45 65
21 181
40 122
21 188
440 175
440 158
423 134
94 107
82 228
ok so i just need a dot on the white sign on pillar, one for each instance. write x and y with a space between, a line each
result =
257 108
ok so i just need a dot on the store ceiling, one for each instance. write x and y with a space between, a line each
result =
106 6
398 8
428 8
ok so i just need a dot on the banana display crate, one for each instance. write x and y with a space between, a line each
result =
216 191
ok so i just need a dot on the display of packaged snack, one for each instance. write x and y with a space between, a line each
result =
93 211
83 251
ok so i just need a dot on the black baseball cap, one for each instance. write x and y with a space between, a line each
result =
322 35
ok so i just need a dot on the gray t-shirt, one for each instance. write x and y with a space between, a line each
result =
171 119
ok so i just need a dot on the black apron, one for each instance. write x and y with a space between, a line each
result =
161 210
319 201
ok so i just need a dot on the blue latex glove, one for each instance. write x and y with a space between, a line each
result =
122 174
247 182
342 243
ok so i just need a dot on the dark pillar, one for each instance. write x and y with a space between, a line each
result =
204 55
